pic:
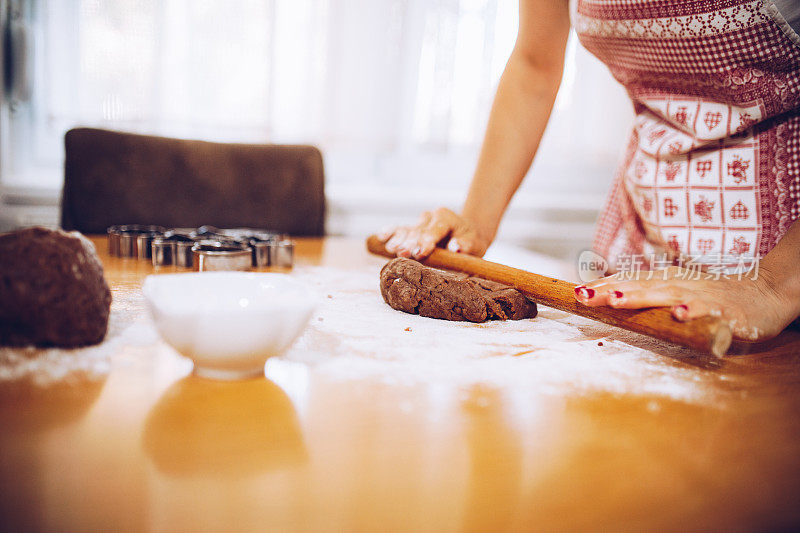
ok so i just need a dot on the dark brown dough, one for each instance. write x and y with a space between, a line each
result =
52 290
408 286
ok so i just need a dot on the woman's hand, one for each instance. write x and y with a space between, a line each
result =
757 306
751 305
440 227
520 111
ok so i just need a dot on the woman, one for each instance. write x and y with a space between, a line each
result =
712 170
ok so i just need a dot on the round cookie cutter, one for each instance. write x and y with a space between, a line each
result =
209 256
272 249
174 247
162 252
283 253
123 240
277 251
269 249
113 240
143 242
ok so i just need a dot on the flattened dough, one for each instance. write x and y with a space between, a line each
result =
408 286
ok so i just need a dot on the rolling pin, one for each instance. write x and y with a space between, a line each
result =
706 334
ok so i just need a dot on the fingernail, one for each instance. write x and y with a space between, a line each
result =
584 292
615 297
403 253
453 246
417 251
680 311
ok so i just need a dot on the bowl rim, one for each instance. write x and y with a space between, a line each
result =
223 274
149 286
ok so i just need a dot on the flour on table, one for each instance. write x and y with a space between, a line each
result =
355 335
46 366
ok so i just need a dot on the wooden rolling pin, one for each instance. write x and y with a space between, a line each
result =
707 334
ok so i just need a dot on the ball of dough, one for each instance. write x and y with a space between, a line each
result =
52 290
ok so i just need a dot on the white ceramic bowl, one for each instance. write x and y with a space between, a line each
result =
228 323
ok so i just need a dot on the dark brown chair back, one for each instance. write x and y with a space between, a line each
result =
123 178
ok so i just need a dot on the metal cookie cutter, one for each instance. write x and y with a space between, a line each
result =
123 241
174 247
221 255
182 256
269 249
113 241
143 242
243 234
210 233
273 250
219 249
282 252
162 252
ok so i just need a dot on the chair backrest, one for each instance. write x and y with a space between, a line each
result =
123 178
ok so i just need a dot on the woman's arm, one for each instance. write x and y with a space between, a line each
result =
781 270
758 306
521 109
525 97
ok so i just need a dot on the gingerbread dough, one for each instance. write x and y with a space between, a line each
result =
52 290
408 286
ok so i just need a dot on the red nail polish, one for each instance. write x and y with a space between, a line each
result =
584 292
615 298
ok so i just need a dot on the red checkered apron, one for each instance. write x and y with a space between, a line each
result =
713 163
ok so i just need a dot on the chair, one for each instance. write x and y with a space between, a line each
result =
123 178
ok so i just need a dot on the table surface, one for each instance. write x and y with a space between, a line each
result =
377 420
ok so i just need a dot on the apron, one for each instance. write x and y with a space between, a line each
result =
712 169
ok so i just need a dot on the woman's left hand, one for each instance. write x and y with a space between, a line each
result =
754 310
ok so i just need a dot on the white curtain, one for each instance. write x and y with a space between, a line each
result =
393 91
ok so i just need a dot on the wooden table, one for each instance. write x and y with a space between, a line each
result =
322 447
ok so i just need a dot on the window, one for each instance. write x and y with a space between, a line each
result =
395 92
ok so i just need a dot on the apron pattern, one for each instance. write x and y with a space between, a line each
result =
713 162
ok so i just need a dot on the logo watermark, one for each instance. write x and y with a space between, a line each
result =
592 265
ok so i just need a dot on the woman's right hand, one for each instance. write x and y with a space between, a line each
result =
439 227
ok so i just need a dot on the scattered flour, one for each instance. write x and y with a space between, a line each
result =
355 335
46 366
